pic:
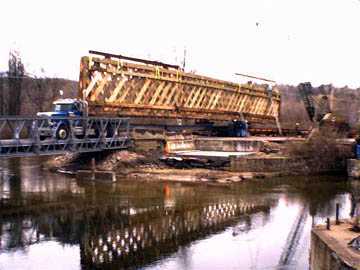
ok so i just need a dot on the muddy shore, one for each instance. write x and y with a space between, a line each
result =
272 160
152 166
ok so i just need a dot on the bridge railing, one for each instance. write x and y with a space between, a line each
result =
27 136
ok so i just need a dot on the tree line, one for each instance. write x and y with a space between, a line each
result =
22 94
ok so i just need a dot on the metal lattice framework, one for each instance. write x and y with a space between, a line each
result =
21 136
114 87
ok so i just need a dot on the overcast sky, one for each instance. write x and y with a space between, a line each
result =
289 41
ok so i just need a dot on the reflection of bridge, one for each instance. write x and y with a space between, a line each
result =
136 241
121 236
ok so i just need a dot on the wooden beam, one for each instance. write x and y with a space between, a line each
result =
157 92
164 93
116 91
171 94
139 96
91 85
195 98
100 88
200 99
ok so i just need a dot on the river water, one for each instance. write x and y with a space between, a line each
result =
52 221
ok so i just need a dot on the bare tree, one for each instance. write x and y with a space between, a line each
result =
15 77
39 93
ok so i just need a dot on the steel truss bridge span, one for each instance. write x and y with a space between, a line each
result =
24 136
113 87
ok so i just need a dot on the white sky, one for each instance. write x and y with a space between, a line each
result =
295 41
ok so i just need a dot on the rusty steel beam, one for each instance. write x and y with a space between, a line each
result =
254 77
145 61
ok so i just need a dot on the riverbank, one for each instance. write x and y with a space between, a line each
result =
153 167
215 160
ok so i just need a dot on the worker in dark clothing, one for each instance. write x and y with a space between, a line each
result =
357 147
240 128
297 129
355 205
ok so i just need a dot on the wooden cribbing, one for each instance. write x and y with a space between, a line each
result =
113 87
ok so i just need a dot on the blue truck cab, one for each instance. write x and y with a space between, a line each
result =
68 107
58 125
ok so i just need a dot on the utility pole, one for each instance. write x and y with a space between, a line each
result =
2 105
184 59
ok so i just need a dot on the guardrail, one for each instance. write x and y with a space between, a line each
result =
24 136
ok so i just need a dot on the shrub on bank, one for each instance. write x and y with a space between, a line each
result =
323 152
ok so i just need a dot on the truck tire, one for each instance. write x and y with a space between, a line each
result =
62 133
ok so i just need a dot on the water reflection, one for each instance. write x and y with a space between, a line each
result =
152 225
140 239
26 177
